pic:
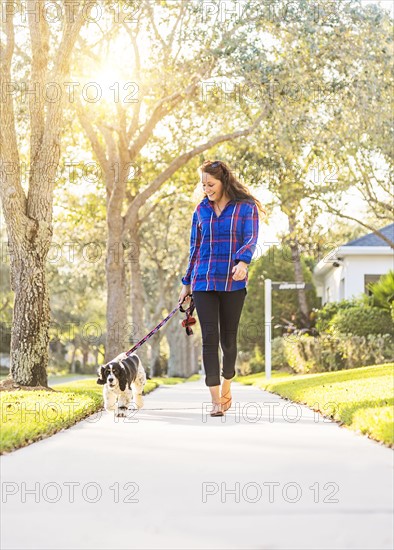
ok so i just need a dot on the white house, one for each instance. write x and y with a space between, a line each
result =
345 272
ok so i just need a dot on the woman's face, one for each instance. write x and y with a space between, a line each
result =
211 186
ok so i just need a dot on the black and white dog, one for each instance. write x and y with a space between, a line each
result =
119 377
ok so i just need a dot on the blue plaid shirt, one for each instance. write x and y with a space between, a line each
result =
217 243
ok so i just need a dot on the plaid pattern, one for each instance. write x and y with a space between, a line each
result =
219 243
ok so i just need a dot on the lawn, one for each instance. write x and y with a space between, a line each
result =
361 399
27 416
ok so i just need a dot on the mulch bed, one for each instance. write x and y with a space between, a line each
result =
9 385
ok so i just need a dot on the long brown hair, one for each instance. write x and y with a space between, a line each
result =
233 188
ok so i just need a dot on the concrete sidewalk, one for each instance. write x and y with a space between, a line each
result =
268 475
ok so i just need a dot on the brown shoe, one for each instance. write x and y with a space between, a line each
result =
216 409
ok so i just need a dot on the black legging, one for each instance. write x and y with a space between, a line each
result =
213 306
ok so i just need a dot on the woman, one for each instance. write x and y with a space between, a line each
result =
223 238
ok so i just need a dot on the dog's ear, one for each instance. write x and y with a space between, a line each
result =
100 374
122 377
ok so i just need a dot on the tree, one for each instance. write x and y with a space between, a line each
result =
132 140
28 215
315 128
276 264
356 142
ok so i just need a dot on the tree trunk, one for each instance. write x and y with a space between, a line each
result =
184 351
30 327
299 278
138 325
298 275
72 367
154 341
96 352
85 357
116 341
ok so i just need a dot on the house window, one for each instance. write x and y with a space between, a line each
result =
370 279
328 294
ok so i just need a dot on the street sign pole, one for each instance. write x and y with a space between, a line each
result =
268 316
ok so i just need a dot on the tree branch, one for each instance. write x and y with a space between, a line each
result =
12 193
98 149
160 110
132 211
137 71
152 20
39 36
369 188
352 218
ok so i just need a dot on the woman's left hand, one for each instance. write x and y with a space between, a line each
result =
240 271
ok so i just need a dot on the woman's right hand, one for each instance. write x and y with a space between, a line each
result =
184 292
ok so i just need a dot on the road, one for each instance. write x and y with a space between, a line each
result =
270 474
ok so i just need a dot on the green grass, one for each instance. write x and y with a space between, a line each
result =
250 379
361 399
27 416
60 378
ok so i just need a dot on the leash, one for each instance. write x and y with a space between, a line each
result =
190 320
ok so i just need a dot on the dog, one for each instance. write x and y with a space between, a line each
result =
123 379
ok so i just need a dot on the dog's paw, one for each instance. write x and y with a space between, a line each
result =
122 411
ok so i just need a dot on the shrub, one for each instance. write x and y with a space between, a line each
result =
308 354
329 310
363 321
257 362
383 292
278 357
359 351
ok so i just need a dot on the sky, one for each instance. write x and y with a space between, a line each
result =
387 5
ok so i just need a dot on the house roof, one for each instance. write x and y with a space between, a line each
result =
373 240
370 245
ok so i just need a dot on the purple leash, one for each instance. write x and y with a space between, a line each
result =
190 320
